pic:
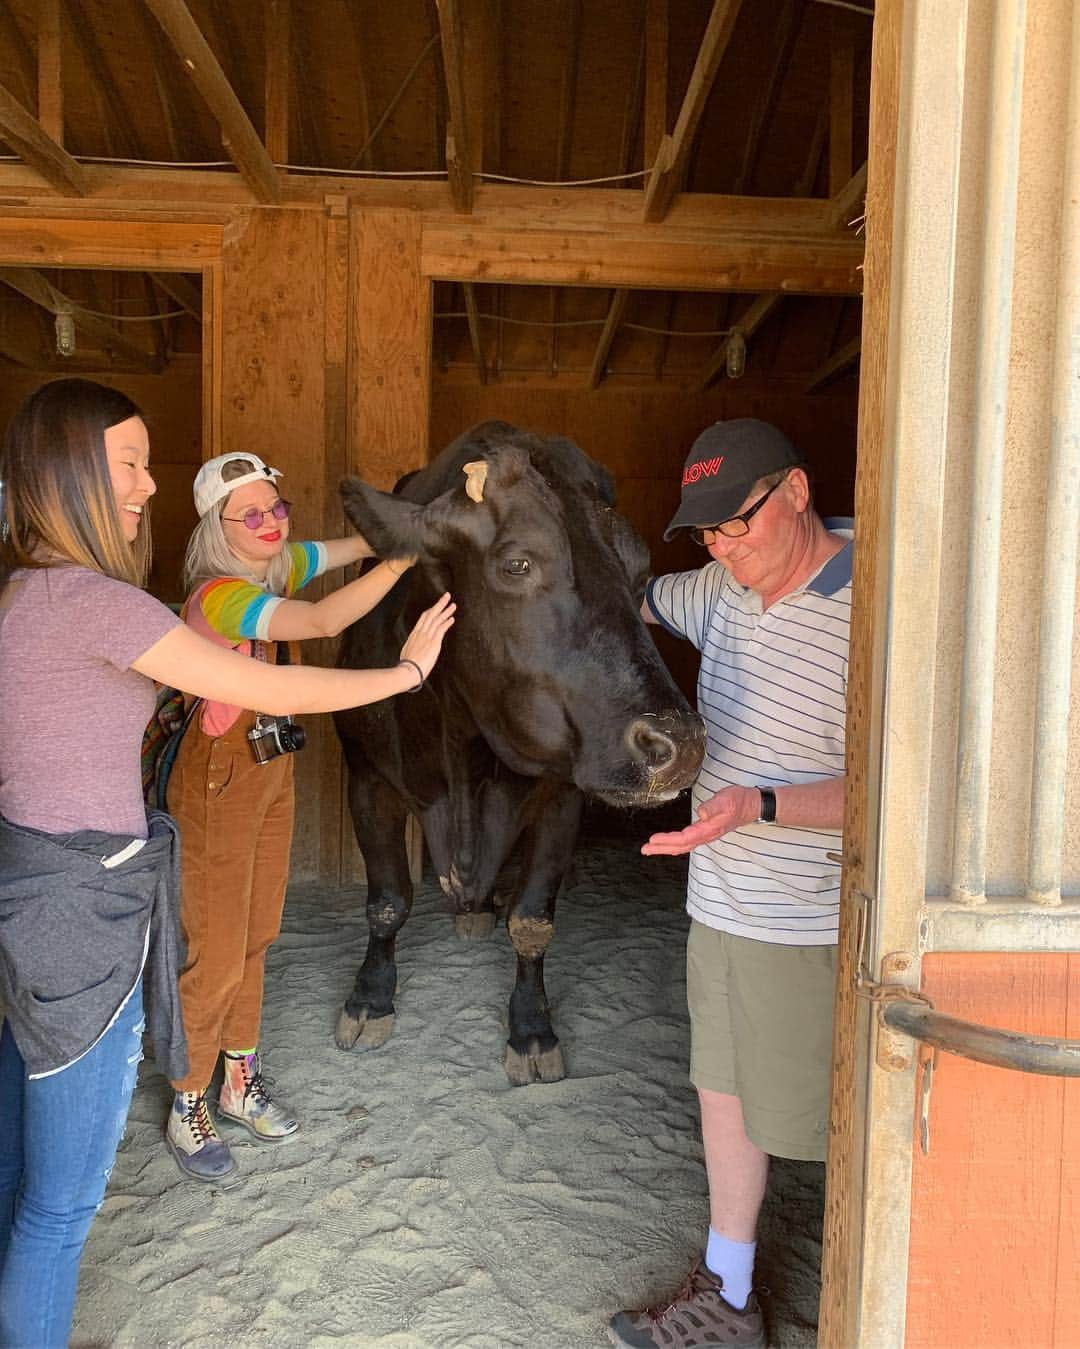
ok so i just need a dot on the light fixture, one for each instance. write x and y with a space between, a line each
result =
65 332
735 355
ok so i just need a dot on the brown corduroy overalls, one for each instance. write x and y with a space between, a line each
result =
236 820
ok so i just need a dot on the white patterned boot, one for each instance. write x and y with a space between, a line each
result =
244 1100
190 1136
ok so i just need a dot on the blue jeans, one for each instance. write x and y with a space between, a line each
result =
58 1140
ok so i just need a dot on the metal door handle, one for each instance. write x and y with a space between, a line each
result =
1044 1054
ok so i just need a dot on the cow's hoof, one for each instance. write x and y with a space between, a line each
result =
369 1033
474 926
538 1065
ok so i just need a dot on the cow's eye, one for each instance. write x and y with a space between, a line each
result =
517 566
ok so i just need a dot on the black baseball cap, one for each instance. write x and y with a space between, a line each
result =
723 464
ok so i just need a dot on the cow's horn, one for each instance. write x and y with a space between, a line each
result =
475 477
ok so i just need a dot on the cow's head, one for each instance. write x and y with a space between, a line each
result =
548 651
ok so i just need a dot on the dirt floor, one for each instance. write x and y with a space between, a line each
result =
426 1202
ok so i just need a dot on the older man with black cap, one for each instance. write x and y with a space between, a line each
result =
769 612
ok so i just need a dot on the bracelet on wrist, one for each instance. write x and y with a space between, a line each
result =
420 674
767 814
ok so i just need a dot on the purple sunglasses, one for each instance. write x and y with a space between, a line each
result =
252 518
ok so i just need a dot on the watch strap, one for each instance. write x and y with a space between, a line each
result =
767 814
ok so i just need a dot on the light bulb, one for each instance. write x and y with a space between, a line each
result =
65 333
735 355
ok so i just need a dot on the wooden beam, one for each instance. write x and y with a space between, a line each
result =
674 152
362 130
36 288
28 139
633 114
798 265
49 76
473 315
804 185
834 366
848 204
748 323
177 287
782 43
841 100
459 162
277 21
312 143
238 135
607 336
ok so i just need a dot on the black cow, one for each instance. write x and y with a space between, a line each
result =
549 687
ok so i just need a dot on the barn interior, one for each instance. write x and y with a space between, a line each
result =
340 232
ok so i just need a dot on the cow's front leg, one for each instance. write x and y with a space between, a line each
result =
378 812
532 1050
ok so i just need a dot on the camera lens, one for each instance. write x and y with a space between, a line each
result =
293 737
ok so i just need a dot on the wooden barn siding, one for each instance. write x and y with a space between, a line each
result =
995 1219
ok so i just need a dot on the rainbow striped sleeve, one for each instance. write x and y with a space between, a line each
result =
240 610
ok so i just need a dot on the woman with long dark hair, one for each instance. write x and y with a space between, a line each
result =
87 879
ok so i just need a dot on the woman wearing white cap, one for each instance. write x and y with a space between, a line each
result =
231 791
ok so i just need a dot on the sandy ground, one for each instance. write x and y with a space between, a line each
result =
427 1202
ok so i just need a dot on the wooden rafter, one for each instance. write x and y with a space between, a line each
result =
160 57
836 365
568 94
120 120
473 316
675 149
607 336
847 205
238 135
50 82
841 100
784 36
805 183
277 24
459 162
362 128
748 323
177 287
27 138
314 147
160 330
633 113
36 288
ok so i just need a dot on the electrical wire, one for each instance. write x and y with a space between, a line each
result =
583 323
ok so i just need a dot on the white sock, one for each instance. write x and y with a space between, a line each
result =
732 1261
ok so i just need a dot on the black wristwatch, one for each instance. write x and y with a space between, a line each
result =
767 814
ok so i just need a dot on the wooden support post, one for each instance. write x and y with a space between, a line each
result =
459 163
278 17
28 139
607 336
675 149
49 74
837 363
239 137
656 78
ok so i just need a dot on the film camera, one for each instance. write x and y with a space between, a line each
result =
271 736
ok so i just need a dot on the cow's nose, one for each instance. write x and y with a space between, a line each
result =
649 744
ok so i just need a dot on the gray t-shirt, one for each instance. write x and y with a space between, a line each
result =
72 711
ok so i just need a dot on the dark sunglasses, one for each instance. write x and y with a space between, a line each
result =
252 518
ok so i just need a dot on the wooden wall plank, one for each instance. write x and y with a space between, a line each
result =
139 245
391 316
274 403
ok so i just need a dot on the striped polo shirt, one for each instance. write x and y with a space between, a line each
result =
772 688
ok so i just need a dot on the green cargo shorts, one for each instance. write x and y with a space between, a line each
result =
761 1018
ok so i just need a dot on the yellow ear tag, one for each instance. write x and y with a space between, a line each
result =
475 477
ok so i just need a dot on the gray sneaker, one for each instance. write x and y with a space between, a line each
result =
698 1316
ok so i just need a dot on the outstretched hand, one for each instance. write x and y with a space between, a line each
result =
730 808
425 641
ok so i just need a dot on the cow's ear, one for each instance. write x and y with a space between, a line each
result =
393 527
